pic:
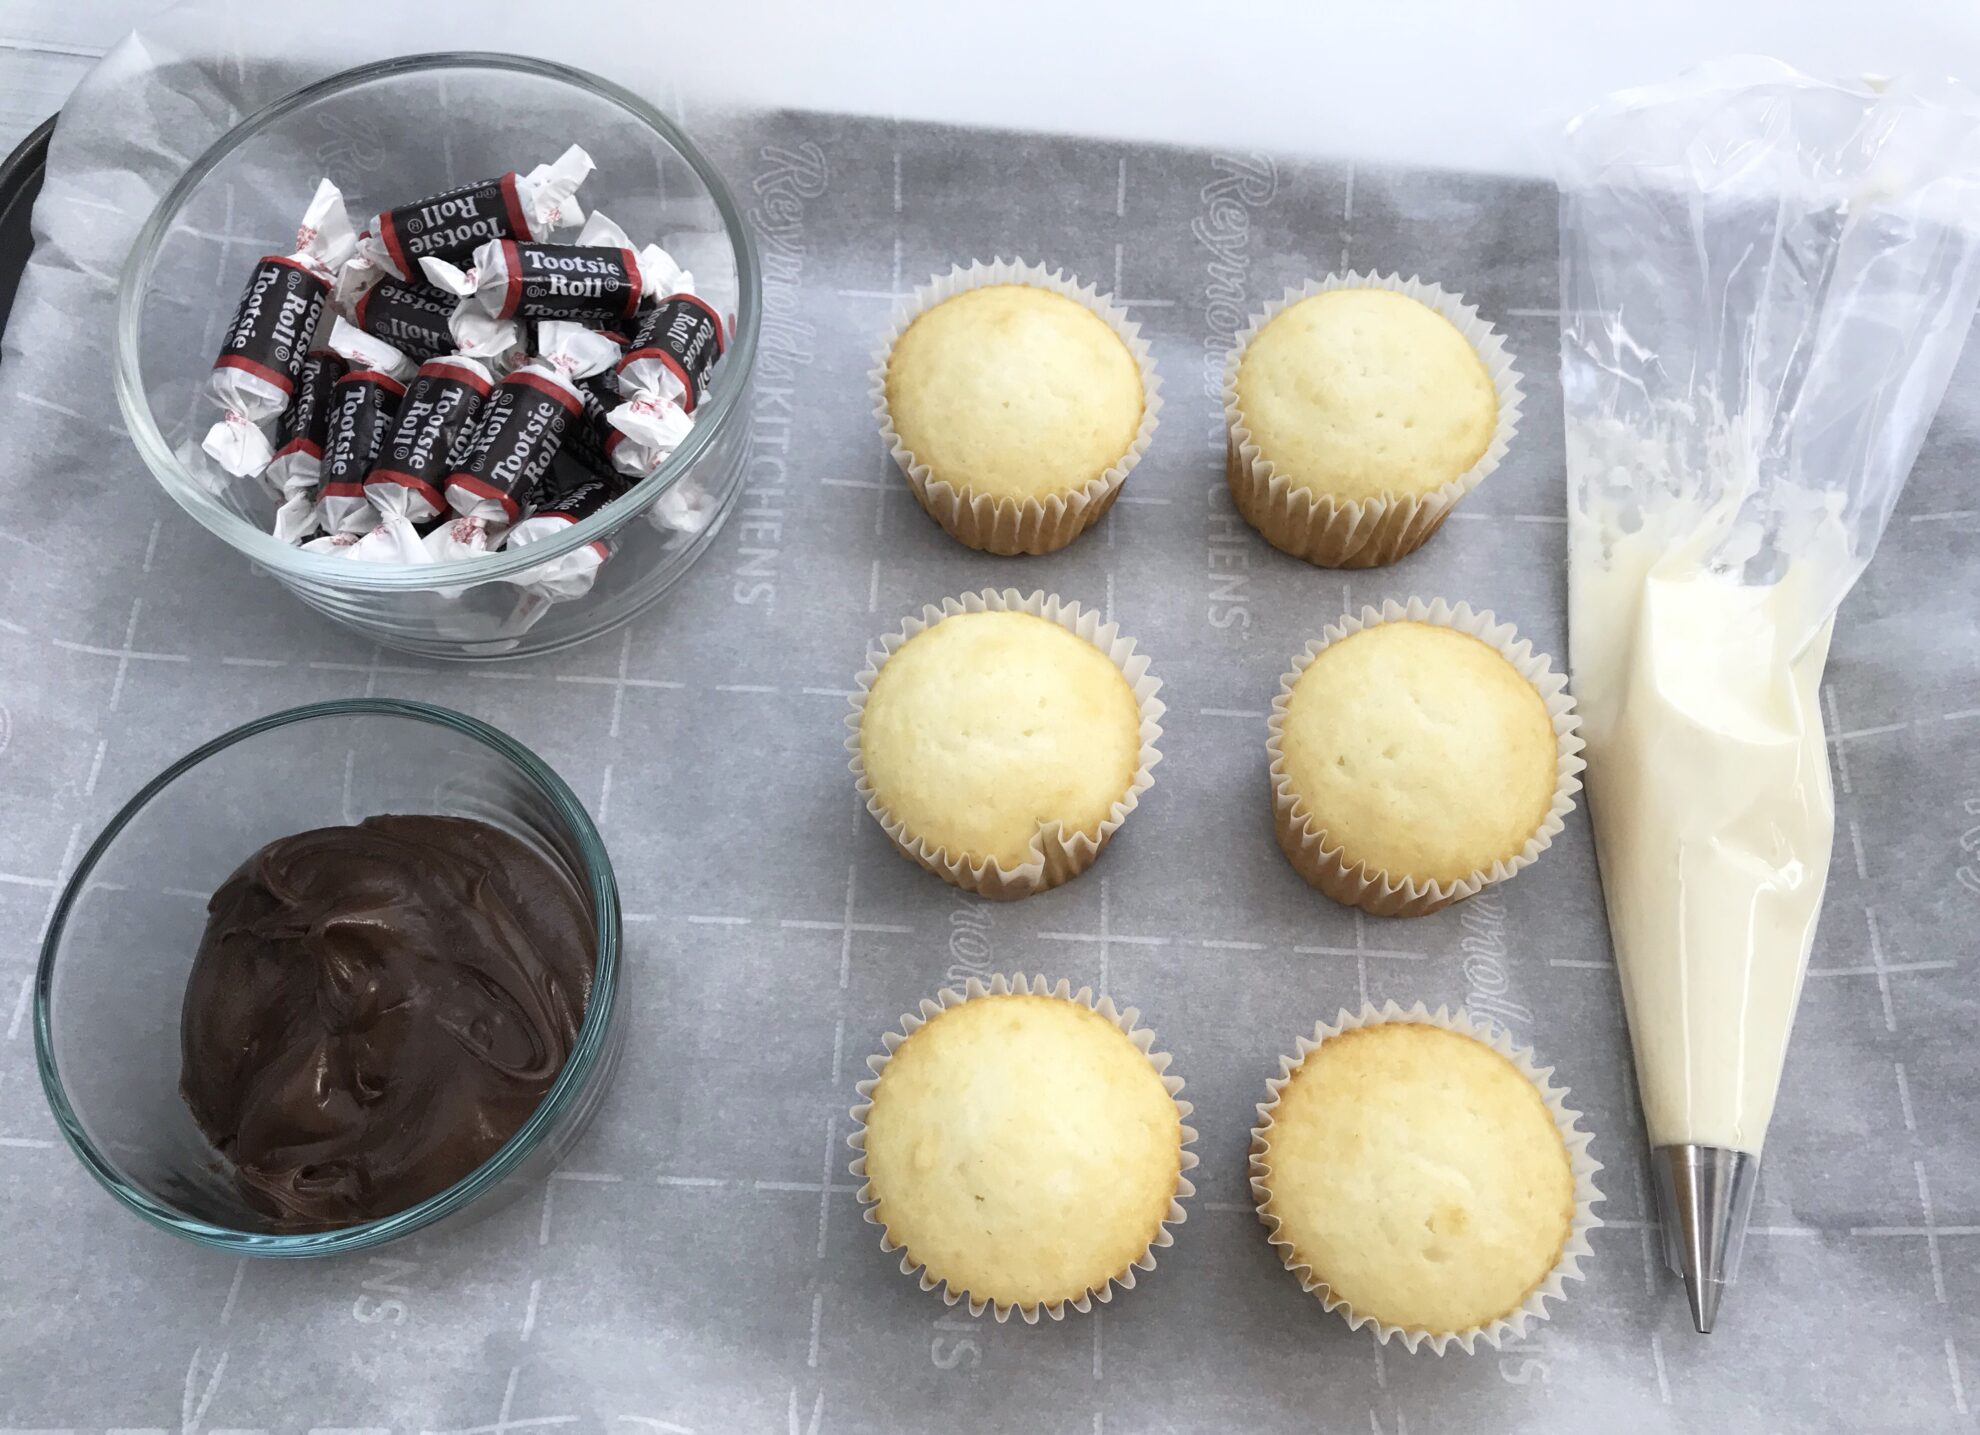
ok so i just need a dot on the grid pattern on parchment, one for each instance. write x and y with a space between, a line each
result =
700 1265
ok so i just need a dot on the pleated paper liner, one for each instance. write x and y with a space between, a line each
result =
1143 1039
1303 837
1583 1166
1058 857
1346 533
1004 525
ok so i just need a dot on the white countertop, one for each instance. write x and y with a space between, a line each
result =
1435 82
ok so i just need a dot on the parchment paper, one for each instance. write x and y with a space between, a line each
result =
701 1265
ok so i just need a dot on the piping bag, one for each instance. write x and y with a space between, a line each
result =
1765 283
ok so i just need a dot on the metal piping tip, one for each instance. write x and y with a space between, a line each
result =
1704 1195
1704 1297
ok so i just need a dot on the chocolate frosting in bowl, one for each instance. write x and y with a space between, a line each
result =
375 1009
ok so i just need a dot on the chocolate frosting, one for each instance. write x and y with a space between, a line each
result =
375 1009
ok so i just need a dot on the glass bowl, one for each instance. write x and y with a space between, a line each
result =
388 134
114 966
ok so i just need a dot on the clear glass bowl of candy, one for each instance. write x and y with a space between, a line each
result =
478 367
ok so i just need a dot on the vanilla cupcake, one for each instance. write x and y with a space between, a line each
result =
1360 409
1015 401
1000 740
1022 1147
1417 1172
1417 754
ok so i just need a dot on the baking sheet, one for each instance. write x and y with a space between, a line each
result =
701 1264
20 182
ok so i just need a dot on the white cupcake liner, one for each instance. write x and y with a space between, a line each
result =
1581 1164
1007 525
1304 839
1143 1039
1342 533
1058 858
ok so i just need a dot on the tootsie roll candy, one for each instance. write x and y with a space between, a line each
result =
523 424
412 320
255 375
434 419
423 323
454 224
295 474
598 280
569 575
663 375
363 405
590 443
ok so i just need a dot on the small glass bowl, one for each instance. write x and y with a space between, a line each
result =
387 134
113 970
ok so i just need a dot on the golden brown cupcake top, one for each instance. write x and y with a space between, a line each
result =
1419 750
1022 1148
1358 394
987 727
1418 1174
1014 391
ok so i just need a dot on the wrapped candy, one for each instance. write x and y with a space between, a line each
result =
650 428
459 539
423 323
434 418
295 474
357 275
498 342
367 351
673 352
363 406
455 541
663 374
411 320
591 442
569 575
255 375
452 225
517 402
337 544
686 507
599 280
398 540
523 424
392 542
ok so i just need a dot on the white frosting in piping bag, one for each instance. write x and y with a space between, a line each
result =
1765 281
1708 787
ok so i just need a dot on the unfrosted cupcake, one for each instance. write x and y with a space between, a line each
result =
1416 1171
1015 401
1022 1147
1417 754
1360 410
1001 740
